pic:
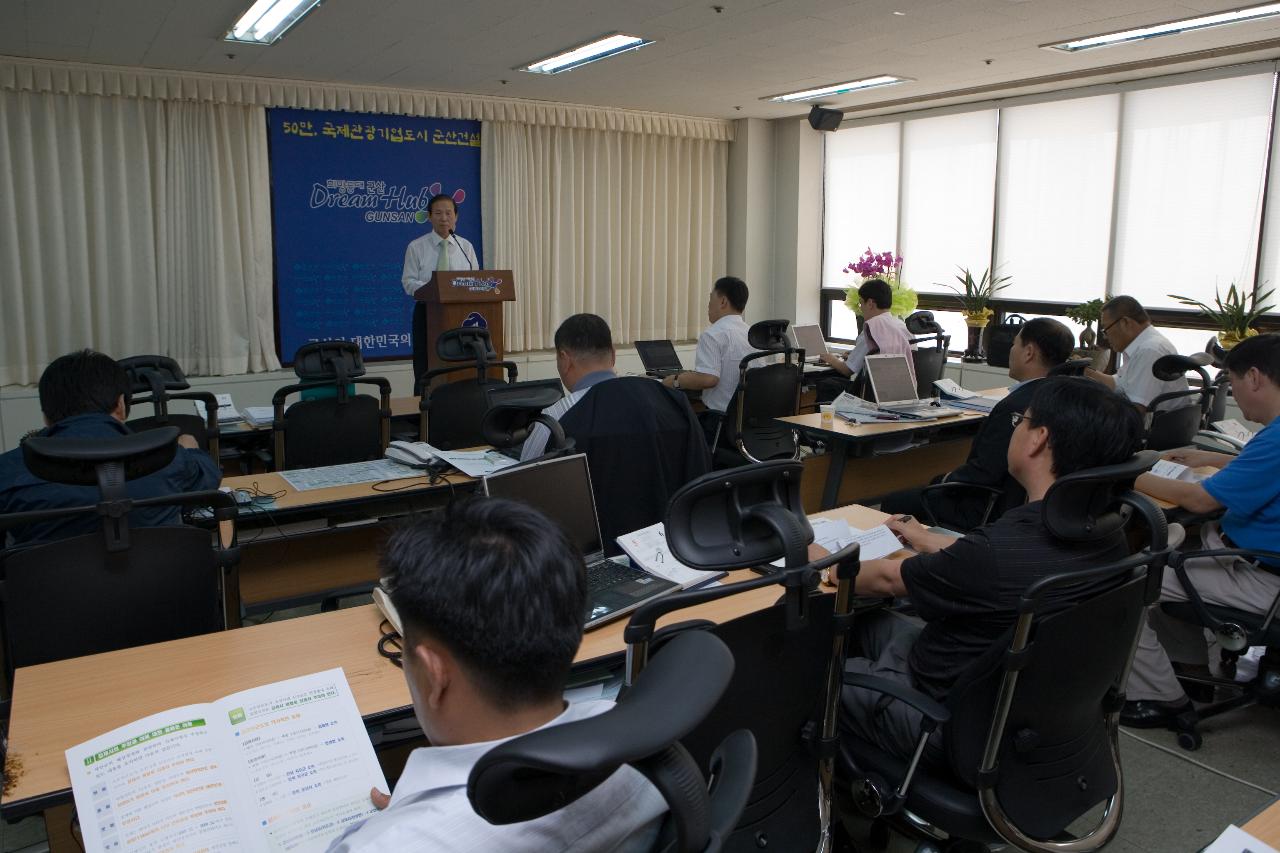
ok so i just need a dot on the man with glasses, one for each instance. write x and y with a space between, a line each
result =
1127 328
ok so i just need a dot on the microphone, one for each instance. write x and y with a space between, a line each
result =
454 238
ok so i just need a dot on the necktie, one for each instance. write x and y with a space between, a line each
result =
442 260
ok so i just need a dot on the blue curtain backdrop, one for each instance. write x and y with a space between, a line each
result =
348 193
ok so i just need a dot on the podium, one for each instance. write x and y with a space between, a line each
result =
452 297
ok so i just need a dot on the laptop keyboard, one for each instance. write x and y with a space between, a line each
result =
603 574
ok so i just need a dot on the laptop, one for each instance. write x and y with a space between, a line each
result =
659 358
894 387
561 490
809 339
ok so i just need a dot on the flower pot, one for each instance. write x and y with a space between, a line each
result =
977 322
1228 339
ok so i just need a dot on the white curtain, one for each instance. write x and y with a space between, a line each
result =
133 226
628 226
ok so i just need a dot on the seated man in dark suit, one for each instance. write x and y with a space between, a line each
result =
1041 345
967 590
85 395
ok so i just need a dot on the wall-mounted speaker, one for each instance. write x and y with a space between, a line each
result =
821 119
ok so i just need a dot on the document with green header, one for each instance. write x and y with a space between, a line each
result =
283 767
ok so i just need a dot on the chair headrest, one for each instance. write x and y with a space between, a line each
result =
74 461
1175 366
512 412
1217 355
769 335
466 344
731 519
1071 367
922 323
1086 505
545 770
148 373
328 360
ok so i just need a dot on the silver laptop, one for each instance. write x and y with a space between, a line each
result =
561 490
894 387
809 339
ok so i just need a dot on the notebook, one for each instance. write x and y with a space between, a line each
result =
894 387
659 357
561 490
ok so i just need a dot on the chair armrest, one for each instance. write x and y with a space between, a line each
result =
935 713
993 495
1217 442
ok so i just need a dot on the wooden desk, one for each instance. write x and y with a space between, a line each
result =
58 705
401 407
1265 826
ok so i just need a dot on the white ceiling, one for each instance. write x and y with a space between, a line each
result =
705 62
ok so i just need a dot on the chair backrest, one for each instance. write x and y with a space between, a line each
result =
455 412
544 771
1170 428
1071 367
764 393
643 443
928 364
513 410
158 380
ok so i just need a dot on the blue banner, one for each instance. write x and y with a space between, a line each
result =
348 193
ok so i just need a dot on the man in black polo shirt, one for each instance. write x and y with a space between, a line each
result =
966 590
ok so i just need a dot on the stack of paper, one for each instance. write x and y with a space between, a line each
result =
1233 428
648 549
259 415
962 398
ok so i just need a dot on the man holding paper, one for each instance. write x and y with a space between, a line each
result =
1248 488
967 590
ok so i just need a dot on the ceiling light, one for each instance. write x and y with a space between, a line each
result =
1253 13
268 20
601 48
839 89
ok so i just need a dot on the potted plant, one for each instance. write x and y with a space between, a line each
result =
1233 315
1088 313
975 299
887 267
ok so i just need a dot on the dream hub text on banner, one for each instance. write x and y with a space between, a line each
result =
348 193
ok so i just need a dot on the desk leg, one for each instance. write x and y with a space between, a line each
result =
57 827
835 473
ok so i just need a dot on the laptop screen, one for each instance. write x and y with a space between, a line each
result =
561 490
658 355
809 339
891 378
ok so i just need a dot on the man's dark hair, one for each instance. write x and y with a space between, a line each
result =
878 291
1054 340
1126 306
585 335
734 289
499 585
1089 424
1261 351
441 197
82 383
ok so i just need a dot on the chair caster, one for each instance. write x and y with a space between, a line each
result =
1190 741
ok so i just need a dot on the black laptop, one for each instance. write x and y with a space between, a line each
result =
659 358
561 490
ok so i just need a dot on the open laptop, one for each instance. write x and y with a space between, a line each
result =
659 358
561 490
809 339
894 387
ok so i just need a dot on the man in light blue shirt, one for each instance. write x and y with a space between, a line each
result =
584 358
491 598
1248 488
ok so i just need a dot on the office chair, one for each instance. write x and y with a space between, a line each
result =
643 443
929 363
1168 428
118 586
160 376
543 771
789 657
1235 631
748 432
450 412
1030 729
514 409
330 430
929 495
1071 367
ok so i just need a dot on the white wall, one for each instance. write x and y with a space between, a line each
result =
797 251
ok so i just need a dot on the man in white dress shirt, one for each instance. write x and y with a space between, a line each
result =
438 249
491 597
720 349
1128 329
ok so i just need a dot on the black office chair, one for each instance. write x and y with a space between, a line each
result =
1169 427
748 431
160 377
543 771
1071 367
330 430
451 412
1030 729
1235 630
929 363
931 501
515 408
789 656
119 586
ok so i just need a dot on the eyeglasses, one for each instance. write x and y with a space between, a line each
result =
1019 417
1104 329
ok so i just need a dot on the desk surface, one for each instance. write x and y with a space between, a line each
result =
401 407
58 705
841 427
272 483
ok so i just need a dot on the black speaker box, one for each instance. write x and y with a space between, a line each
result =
820 119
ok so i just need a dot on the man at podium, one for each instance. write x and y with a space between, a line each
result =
438 249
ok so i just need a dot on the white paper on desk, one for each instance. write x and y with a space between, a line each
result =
877 542
1234 428
347 474
474 463
647 548
227 412
259 415
831 533
1174 471
283 767
1236 840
